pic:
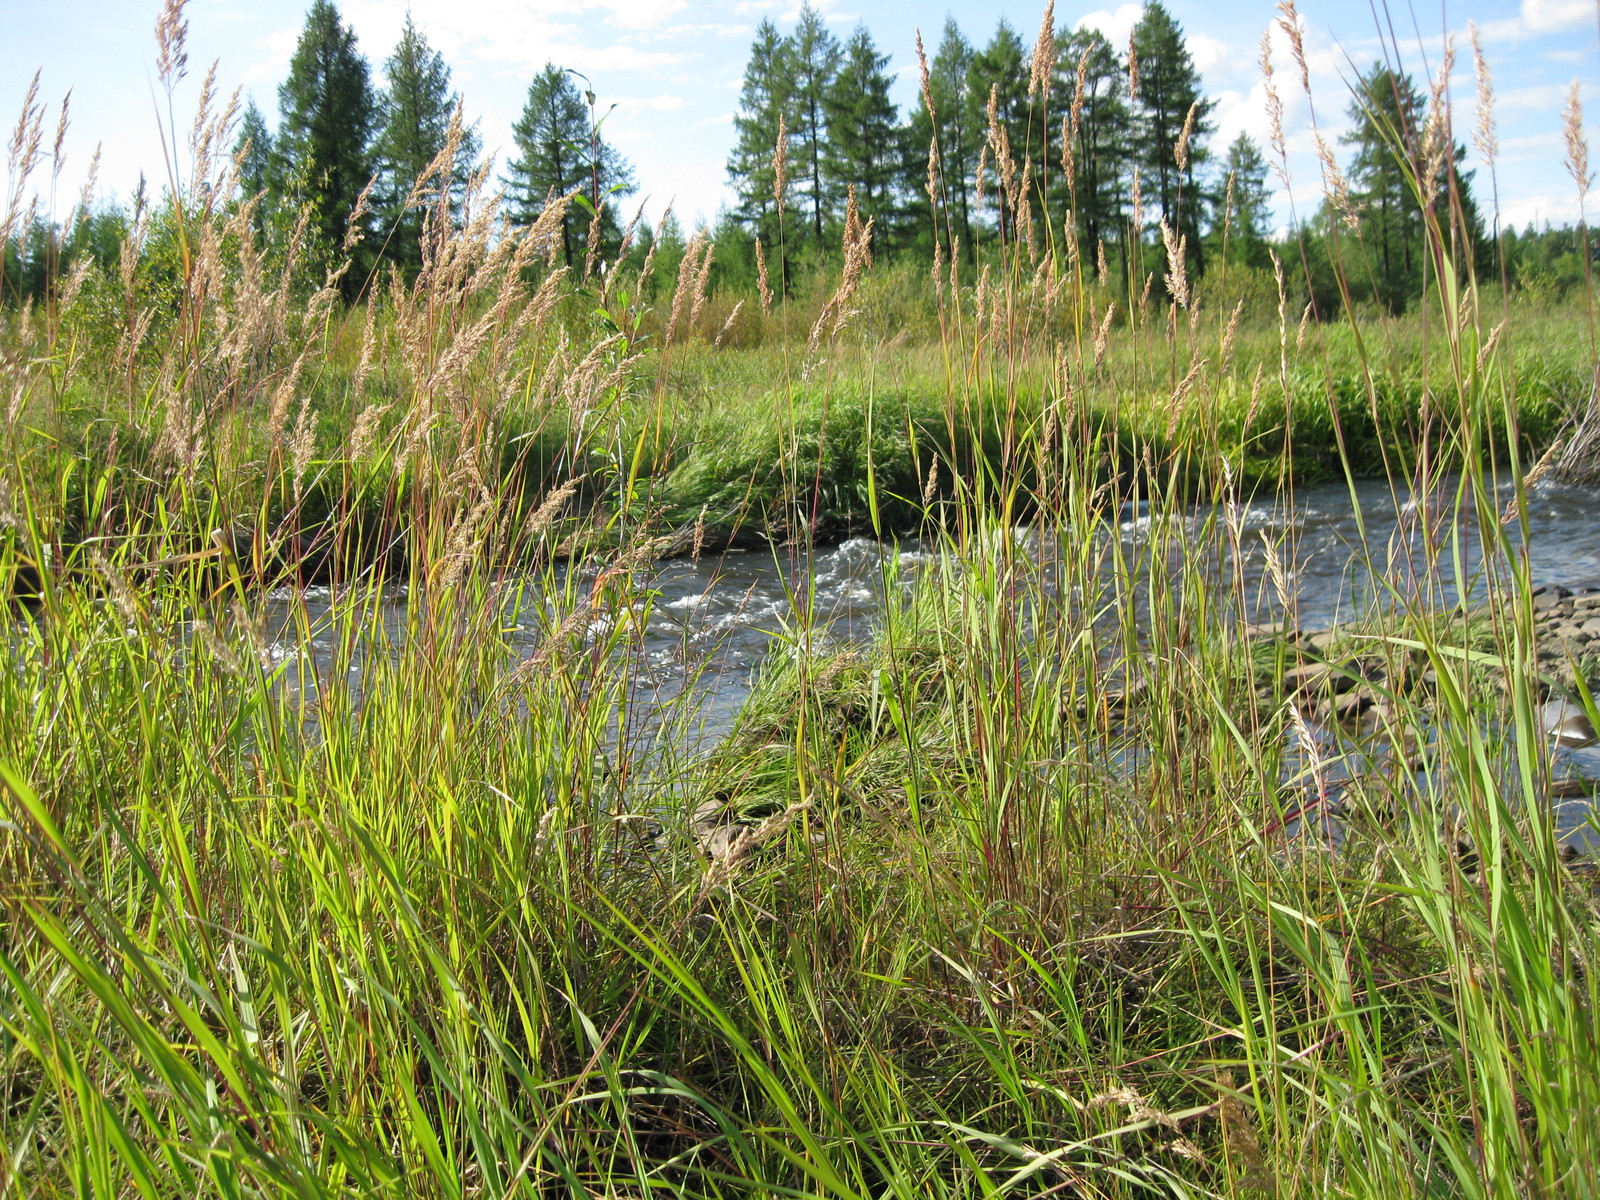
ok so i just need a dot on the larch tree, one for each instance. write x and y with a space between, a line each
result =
763 99
813 59
322 151
414 126
863 148
1169 100
1093 88
959 133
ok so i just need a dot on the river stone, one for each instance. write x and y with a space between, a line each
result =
1313 678
1567 723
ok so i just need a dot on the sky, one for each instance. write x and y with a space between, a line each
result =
673 69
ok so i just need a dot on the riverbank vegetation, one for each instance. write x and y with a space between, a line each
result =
1067 882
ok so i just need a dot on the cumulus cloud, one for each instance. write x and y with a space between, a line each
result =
1115 24
1538 17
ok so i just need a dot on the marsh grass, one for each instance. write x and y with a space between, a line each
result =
1012 909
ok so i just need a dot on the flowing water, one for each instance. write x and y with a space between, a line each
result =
1336 553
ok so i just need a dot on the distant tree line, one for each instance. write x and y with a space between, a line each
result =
1097 154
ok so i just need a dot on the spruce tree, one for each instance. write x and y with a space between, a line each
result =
1244 201
1169 89
1098 190
959 134
812 53
256 177
414 123
560 151
863 148
326 110
764 97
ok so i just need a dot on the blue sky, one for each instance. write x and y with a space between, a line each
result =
673 69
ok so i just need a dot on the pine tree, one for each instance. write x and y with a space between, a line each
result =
863 146
414 125
326 112
999 73
256 177
561 151
959 139
812 53
1169 90
750 165
1098 190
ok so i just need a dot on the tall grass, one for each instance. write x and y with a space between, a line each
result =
1030 895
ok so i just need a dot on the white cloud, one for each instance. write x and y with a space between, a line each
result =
1116 25
663 103
1538 17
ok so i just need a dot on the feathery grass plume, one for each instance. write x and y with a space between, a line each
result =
1144 297
1178 401
1484 136
1042 65
302 444
925 81
702 280
58 157
698 545
1283 319
857 259
738 850
1100 268
930 485
1133 70
683 294
1577 158
1102 335
979 179
1180 149
1005 164
763 284
1226 355
650 255
22 158
1334 186
1138 208
1274 102
1254 409
1289 21
1437 139
727 326
364 433
780 166
591 254
1069 160
172 38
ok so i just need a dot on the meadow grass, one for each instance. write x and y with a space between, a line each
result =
1003 901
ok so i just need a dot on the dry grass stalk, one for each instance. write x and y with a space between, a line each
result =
763 285
1180 149
1102 271
1484 136
1577 146
1229 334
1289 22
857 259
1133 70
780 166
1102 335
727 326
1269 85
172 36
688 275
22 159
650 254
1042 64
1437 139
1177 276
702 280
